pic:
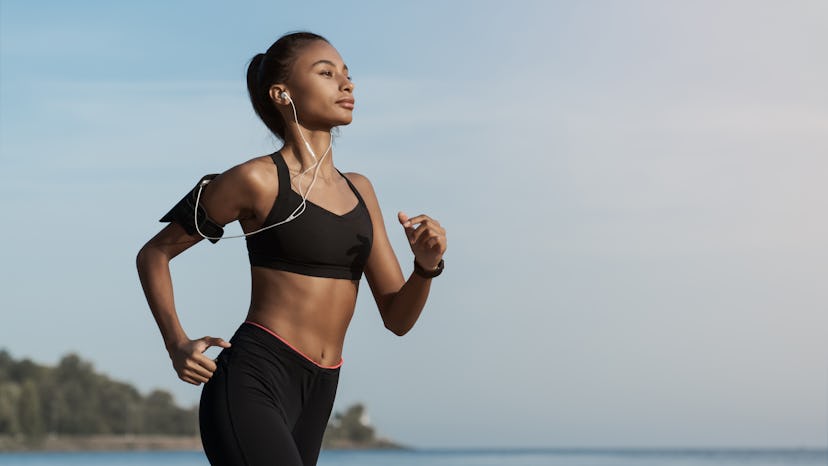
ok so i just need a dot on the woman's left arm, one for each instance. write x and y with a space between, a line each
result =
400 301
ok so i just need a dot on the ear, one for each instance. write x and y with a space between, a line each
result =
275 93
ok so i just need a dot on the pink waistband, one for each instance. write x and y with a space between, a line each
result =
293 347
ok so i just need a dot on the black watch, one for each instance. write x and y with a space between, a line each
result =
428 273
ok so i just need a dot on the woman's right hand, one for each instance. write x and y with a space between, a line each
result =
189 361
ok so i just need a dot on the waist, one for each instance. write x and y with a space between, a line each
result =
276 291
280 345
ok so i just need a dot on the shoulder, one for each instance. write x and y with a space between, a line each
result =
252 176
363 185
242 190
366 190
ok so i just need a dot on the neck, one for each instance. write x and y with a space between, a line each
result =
299 158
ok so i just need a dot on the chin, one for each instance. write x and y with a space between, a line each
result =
343 121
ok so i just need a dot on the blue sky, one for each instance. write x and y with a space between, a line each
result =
634 193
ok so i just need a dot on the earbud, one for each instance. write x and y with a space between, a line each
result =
285 96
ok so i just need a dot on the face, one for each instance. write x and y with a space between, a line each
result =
320 87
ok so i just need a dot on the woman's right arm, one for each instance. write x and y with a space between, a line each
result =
153 264
229 197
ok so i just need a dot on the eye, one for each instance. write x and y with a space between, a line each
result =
327 73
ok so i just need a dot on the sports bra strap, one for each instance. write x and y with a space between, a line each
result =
283 174
353 188
284 178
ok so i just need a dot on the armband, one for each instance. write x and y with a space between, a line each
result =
183 213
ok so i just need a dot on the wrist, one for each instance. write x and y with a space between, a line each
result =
176 343
428 272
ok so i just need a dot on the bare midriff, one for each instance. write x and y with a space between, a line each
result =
311 314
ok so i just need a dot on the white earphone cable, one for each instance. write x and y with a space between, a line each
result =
302 205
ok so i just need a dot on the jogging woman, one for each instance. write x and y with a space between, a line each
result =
311 232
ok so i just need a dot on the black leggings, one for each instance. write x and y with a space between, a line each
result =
266 403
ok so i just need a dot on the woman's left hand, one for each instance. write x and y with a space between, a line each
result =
426 237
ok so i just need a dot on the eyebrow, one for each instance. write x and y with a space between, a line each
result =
328 62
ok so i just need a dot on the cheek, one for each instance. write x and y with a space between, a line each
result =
312 95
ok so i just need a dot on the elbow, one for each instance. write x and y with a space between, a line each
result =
391 317
145 257
397 329
141 258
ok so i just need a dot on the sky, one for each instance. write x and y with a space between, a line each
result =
634 193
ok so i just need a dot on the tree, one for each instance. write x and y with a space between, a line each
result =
162 416
29 412
351 428
9 396
6 364
356 425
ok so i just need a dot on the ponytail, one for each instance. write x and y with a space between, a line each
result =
267 69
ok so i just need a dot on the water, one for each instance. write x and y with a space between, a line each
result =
454 458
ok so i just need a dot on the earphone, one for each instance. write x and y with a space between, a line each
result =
302 205
286 96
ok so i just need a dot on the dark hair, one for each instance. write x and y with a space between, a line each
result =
274 67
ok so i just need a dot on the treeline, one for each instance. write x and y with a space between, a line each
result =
71 399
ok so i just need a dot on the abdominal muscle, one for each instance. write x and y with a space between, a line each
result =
311 314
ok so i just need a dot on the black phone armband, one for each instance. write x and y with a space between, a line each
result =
183 213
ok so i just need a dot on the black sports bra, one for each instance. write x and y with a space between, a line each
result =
318 242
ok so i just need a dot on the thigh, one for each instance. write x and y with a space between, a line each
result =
241 419
310 426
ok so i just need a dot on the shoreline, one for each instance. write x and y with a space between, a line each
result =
77 443
161 443
138 442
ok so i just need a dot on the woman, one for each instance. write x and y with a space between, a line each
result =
268 395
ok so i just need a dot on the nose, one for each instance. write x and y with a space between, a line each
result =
347 85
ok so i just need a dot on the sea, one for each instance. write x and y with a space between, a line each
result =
455 457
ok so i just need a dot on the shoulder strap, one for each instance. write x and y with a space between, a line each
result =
283 173
280 207
353 188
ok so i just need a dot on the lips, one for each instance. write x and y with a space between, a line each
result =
347 103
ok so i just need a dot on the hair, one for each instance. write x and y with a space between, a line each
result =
271 67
